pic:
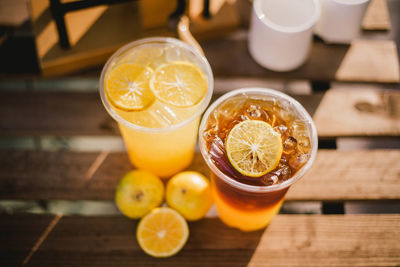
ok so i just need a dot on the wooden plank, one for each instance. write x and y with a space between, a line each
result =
155 13
370 61
18 235
77 24
236 61
290 240
60 175
13 12
34 113
377 16
356 112
335 176
69 113
329 241
363 112
350 175
326 62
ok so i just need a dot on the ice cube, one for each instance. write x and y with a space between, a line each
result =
173 53
289 145
300 132
298 161
281 128
253 111
143 56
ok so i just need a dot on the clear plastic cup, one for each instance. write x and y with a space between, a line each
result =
250 207
164 140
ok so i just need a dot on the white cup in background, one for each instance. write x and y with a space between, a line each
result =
340 20
280 35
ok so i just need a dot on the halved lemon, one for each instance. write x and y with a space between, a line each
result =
179 83
162 233
127 86
253 147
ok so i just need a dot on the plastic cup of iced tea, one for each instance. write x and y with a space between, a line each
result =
156 89
246 200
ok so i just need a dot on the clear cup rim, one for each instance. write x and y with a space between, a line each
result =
266 92
169 40
288 29
351 3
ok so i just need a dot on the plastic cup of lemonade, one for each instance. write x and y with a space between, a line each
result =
257 142
156 89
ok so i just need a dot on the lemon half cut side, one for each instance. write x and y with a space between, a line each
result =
162 233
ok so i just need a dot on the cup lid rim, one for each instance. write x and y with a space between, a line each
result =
287 29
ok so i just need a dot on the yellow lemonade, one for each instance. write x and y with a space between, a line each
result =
156 89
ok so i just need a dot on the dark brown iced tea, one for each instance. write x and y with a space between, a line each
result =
251 206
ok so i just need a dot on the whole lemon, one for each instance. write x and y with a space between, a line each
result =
189 193
139 192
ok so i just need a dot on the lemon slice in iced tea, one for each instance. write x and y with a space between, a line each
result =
127 87
253 147
162 233
179 83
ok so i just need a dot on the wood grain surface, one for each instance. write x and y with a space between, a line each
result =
377 16
358 112
33 113
335 175
18 235
48 113
350 175
290 240
370 61
236 61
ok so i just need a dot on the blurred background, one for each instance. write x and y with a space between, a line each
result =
54 38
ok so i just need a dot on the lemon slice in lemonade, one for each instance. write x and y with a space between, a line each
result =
162 233
127 87
179 83
253 147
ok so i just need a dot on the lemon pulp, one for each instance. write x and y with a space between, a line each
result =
162 233
127 87
253 147
179 83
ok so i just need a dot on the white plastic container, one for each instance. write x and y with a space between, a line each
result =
281 31
340 20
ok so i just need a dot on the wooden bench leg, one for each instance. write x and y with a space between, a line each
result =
58 14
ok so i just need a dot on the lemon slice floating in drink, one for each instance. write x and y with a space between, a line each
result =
253 147
162 233
127 87
179 83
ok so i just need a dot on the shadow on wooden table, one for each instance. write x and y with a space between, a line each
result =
111 241
212 242
322 65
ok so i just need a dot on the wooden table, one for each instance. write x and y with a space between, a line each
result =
60 152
